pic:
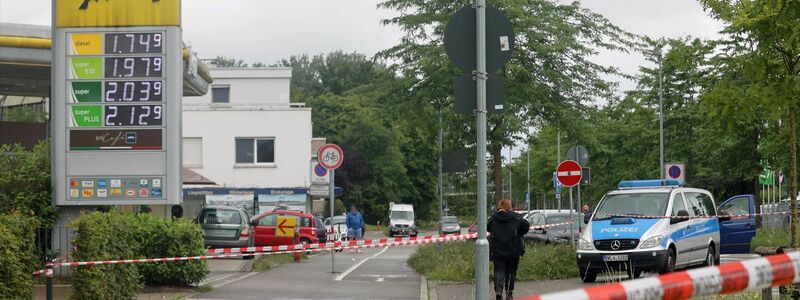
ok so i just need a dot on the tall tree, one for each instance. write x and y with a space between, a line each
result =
550 77
763 45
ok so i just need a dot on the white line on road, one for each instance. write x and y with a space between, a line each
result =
354 267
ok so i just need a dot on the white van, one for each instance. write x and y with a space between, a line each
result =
401 220
658 226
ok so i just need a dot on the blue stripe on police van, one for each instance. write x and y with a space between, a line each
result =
606 229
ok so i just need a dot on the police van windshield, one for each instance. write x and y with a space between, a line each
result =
639 204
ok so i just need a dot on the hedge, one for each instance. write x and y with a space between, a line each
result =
17 258
115 235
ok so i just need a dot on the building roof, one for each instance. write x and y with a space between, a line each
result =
192 177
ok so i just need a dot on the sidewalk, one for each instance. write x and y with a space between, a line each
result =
454 291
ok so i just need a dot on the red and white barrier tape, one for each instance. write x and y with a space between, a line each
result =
695 217
326 245
302 248
551 225
729 278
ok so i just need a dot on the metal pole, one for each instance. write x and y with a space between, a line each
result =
482 244
441 187
660 116
580 221
510 190
333 200
48 278
558 160
572 219
528 193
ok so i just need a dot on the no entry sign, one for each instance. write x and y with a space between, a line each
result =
569 173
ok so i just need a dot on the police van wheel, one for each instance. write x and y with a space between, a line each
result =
588 276
669 262
710 259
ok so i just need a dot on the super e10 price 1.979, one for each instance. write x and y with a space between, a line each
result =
137 66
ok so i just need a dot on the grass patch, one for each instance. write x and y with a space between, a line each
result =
384 228
267 262
456 264
770 237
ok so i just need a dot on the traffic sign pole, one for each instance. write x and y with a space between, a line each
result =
482 244
332 200
571 219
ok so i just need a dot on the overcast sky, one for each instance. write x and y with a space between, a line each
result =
267 31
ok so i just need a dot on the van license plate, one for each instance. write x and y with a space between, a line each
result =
621 257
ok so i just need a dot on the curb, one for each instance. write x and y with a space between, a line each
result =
423 287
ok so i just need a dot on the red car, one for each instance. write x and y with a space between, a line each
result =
264 225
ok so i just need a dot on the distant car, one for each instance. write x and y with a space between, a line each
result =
225 227
264 225
450 225
339 228
553 235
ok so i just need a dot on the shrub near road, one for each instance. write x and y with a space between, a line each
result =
456 264
114 235
17 258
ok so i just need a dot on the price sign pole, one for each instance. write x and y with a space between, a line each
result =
330 157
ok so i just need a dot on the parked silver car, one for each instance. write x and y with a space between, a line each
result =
556 235
450 225
225 226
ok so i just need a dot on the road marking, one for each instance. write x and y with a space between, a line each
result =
224 283
354 267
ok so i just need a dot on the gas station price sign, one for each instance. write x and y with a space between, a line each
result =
117 89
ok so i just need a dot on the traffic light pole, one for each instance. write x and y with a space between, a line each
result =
482 244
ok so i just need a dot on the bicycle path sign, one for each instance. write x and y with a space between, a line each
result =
330 156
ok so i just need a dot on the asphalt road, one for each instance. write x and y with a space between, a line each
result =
377 273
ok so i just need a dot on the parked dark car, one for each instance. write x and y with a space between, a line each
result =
225 227
450 225
555 235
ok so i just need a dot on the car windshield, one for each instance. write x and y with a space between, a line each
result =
634 204
557 219
449 220
402 215
220 216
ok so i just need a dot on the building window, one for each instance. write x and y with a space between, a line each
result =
193 152
255 150
221 94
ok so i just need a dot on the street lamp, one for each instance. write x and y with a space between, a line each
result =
659 57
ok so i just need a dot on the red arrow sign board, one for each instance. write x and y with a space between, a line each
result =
285 226
569 173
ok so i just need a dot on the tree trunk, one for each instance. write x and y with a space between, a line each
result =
497 169
793 196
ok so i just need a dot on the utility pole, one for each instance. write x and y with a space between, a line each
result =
441 187
528 193
558 160
510 194
660 114
482 244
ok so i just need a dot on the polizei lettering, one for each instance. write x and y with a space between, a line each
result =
619 229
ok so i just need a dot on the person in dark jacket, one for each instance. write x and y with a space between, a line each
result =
587 213
506 246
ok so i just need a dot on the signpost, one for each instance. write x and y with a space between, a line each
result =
675 171
330 157
285 226
479 52
569 174
116 99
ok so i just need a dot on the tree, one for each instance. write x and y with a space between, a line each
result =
550 77
226 62
763 47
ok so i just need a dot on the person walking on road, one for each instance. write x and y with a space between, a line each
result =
506 246
355 226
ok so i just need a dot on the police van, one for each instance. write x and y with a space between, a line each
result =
658 226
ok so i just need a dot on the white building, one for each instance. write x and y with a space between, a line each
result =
248 138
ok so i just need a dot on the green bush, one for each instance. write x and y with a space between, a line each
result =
540 262
770 237
170 238
17 259
105 236
115 235
25 182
